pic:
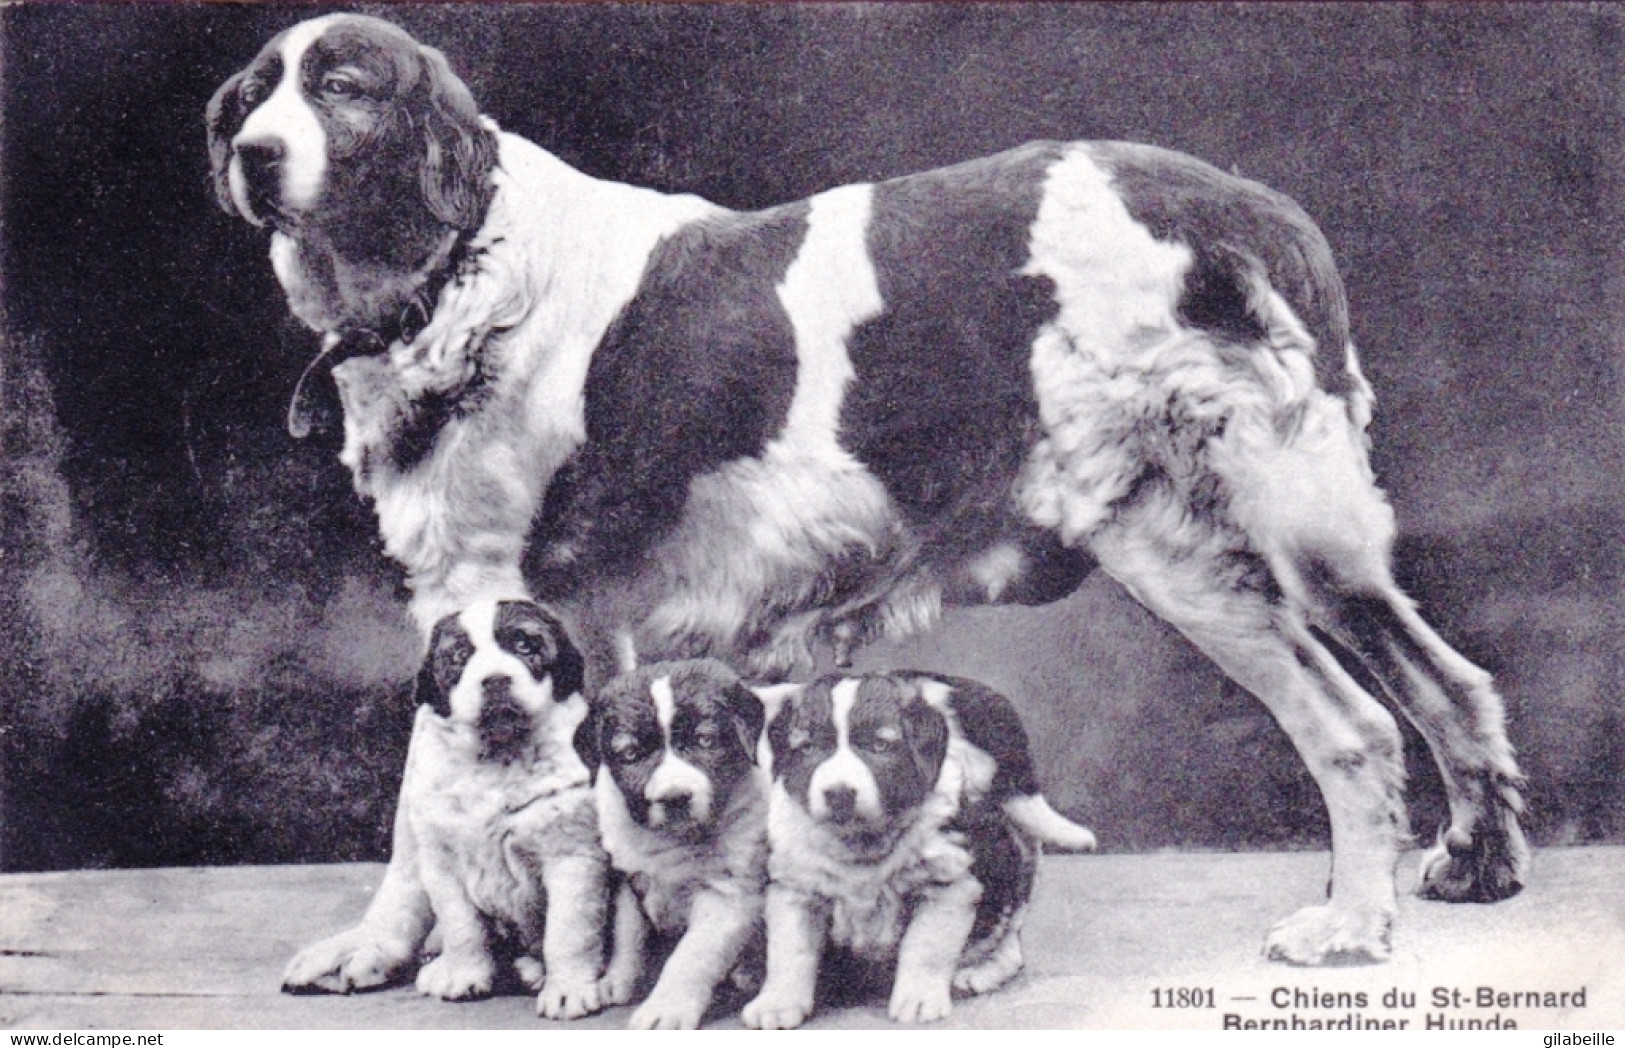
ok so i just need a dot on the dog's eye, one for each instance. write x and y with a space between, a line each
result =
707 739
341 85
626 749
252 93
881 741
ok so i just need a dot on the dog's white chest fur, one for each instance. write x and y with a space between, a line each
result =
668 873
869 902
496 822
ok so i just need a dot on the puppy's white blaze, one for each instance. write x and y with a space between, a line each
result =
936 694
287 117
823 312
1033 814
843 767
1118 288
665 705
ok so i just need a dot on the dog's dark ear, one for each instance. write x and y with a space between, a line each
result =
459 152
780 727
748 715
586 742
222 118
925 732
429 692
569 669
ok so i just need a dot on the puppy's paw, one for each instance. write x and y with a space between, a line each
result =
617 986
668 1011
353 960
1330 936
454 978
920 999
774 1011
567 996
532 973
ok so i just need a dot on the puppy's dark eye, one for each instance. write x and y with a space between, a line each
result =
882 741
707 739
526 645
251 94
626 749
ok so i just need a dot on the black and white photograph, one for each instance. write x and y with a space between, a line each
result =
837 515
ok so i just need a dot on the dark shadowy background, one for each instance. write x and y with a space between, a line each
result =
203 653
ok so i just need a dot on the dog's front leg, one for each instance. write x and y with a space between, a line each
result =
797 923
719 925
374 952
625 966
573 941
930 951
465 968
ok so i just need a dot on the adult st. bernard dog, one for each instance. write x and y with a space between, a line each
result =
709 432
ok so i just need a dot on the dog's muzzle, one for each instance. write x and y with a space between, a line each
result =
503 725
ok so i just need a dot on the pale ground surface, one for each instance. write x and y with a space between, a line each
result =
202 948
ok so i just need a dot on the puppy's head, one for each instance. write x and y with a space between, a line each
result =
500 668
859 754
678 738
345 119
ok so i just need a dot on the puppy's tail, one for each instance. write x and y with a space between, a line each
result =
1032 813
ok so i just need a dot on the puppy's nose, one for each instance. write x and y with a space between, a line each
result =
496 689
841 801
675 803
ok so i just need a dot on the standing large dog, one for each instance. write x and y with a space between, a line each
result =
699 431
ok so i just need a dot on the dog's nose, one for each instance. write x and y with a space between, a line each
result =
261 160
675 803
841 802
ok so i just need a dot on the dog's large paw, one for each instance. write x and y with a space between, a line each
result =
567 996
668 1011
1487 866
918 998
772 1011
1330 936
353 960
454 978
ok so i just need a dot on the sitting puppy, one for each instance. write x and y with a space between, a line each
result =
501 809
682 803
904 825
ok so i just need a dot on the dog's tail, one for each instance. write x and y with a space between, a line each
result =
1033 814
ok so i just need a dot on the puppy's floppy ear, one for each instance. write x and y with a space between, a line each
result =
222 118
585 741
748 716
458 150
569 668
925 732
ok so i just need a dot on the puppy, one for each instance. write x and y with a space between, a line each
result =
682 801
904 825
502 811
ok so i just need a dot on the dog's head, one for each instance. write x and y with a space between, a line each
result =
860 754
501 668
345 119
678 738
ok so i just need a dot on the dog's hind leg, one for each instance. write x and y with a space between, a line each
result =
1482 855
1202 575
1311 505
